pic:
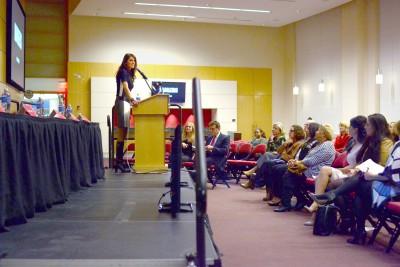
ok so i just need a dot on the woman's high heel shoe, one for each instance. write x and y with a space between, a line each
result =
324 199
358 239
120 166
249 173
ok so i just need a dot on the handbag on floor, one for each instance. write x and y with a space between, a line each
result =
325 220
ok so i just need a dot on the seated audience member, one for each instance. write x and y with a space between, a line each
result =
188 139
274 175
372 191
276 140
259 137
358 133
321 155
217 148
285 152
343 138
394 131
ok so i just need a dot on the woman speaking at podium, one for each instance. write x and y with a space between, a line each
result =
125 78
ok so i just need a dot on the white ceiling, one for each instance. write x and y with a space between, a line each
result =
282 11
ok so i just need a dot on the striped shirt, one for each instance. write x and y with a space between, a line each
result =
392 167
319 156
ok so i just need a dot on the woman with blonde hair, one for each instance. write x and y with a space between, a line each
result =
343 138
277 138
188 139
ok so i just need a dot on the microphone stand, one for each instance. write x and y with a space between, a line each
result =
153 90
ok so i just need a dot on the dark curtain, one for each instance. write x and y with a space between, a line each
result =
42 160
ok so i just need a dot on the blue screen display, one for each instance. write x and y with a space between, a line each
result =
15 44
175 90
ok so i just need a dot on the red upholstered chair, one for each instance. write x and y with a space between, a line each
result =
171 121
239 162
389 218
189 119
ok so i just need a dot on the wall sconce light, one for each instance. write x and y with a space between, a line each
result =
321 86
379 78
296 90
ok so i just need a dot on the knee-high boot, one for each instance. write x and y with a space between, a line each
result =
119 164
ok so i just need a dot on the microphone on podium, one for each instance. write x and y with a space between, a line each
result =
153 90
141 73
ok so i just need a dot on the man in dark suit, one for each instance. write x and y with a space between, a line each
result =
217 148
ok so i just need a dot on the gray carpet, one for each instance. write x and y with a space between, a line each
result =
114 223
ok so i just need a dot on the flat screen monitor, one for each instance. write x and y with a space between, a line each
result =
175 90
15 44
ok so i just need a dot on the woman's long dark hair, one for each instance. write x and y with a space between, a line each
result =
312 129
359 123
372 146
299 133
127 56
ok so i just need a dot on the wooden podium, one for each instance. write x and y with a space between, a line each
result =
149 134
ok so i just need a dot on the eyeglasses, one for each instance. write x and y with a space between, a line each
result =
291 130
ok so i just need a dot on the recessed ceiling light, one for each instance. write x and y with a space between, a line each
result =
159 15
206 7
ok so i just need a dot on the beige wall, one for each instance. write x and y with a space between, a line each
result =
339 46
390 58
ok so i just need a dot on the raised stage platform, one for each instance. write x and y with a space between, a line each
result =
114 223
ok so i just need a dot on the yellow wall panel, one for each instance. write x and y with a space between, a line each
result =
45 9
48 40
149 69
3 10
47 24
184 72
45 55
2 36
245 116
102 69
262 112
245 79
227 74
262 81
206 73
44 70
2 67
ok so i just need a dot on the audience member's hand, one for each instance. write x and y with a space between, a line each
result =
291 163
209 148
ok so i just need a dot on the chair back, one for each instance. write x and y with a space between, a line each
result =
259 149
243 151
